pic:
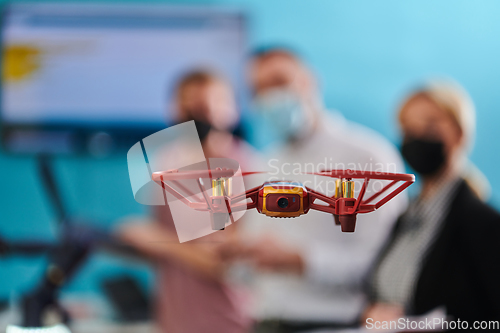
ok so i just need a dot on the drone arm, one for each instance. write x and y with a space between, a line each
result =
359 207
252 193
184 200
186 190
313 195
321 208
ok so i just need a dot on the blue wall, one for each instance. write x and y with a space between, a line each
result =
367 55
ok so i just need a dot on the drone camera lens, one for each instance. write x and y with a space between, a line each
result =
282 202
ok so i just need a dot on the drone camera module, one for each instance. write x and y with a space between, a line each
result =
283 199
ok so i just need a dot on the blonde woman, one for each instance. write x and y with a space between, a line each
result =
444 251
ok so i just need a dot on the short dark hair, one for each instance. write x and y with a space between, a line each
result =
197 76
266 51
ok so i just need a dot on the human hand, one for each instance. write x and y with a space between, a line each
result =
269 254
159 243
383 312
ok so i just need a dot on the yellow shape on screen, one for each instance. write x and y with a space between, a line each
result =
20 62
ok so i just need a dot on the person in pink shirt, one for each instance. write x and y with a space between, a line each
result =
192 293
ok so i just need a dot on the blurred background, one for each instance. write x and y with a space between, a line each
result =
120 67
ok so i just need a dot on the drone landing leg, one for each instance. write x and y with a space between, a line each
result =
219 220
347 222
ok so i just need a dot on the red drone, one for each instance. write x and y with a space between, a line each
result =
281 198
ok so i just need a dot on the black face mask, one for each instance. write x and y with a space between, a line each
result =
203 128
424 156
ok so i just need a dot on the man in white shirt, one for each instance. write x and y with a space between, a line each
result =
308 273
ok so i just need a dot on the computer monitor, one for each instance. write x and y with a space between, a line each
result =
93 77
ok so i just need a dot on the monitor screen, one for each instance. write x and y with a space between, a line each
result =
79 76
